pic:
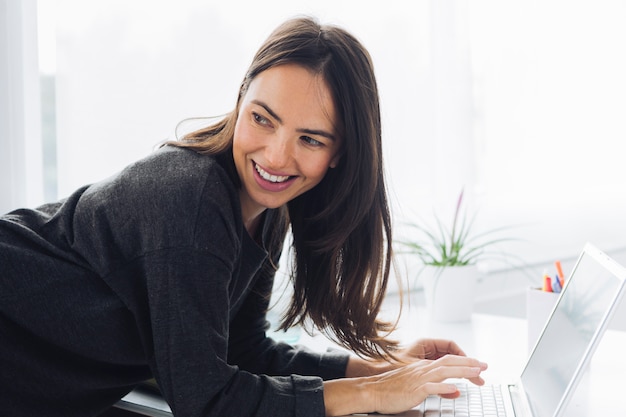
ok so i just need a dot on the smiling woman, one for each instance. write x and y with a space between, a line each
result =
462 107
289 122
165 270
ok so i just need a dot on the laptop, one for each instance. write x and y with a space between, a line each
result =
581 315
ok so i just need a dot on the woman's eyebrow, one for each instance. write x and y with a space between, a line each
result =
303 130
268 109
318 133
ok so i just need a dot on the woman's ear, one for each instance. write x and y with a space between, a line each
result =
335 161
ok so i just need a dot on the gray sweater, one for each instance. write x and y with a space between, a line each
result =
149 273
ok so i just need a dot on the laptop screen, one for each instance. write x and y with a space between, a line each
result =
576 322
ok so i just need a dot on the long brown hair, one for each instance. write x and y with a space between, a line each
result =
342 227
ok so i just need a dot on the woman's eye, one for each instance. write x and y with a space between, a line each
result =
311 141
260 119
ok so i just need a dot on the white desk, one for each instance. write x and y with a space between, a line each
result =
502 342
498 340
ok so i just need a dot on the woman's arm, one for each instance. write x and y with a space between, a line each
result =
251 350
368 386
190 333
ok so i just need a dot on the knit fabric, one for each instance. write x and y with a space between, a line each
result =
149 273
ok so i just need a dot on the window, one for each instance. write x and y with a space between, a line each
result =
519 103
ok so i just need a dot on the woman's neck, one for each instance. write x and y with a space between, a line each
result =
251 214
252 225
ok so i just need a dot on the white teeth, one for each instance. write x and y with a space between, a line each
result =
266 176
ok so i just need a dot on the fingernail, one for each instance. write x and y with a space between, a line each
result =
452 388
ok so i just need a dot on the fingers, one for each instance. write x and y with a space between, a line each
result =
452 396
442 389
446 347
436 348
421 373
477 381
404 388
453 349
459 360
456 367
406 396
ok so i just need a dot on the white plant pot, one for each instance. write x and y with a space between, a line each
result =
449 292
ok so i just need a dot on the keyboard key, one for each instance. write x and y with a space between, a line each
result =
473 401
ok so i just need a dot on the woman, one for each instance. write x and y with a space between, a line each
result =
165 270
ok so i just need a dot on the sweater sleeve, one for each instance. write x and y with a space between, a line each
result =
190 335
252 350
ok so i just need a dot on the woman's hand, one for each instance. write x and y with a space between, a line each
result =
402 388
431 349
407 386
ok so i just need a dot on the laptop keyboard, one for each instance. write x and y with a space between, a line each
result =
474 401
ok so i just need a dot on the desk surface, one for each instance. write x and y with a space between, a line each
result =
498 340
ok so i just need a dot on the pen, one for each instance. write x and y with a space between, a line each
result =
547 283
556 287
559 269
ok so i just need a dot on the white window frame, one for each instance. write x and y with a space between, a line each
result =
21 172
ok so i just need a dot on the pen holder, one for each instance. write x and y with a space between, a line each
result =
539 305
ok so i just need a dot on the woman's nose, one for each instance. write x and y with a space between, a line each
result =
279 151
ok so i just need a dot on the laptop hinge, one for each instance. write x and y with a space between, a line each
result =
520 402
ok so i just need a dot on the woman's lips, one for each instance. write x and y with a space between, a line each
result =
271 182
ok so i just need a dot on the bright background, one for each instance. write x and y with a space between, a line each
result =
522 104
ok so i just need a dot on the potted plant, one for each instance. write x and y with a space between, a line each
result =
449 254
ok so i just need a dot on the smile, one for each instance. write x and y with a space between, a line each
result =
268 177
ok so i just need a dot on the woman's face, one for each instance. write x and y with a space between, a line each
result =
285 138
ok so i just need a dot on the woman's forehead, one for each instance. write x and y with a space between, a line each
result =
292 90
